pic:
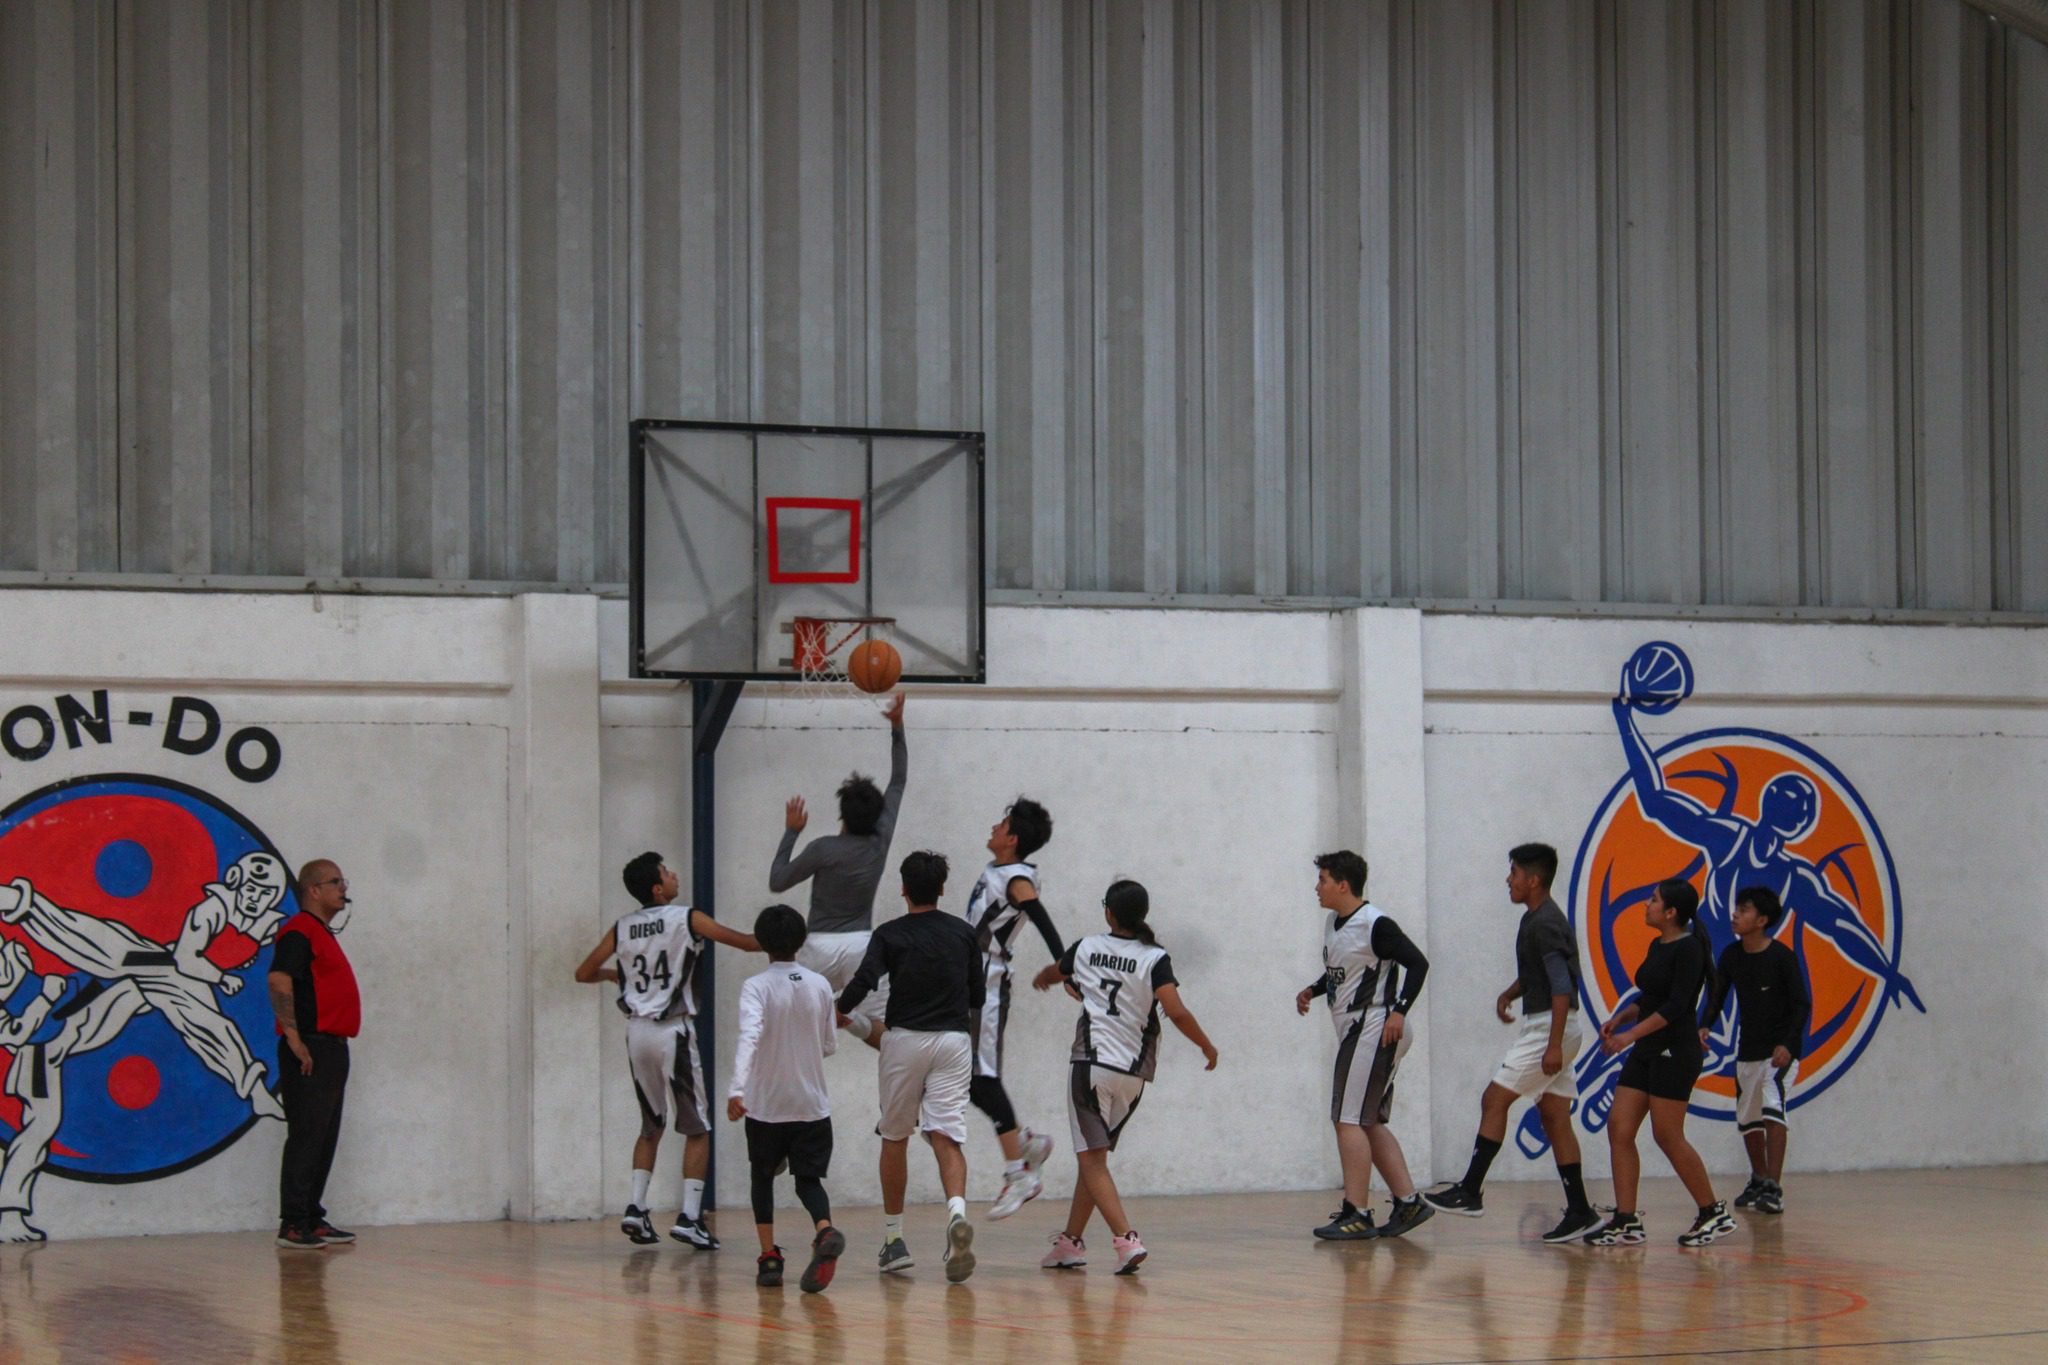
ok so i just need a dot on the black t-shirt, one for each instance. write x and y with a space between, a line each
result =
934 968
1544 931
1771 1001
1668 984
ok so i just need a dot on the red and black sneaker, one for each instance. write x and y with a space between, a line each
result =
768 1269
299 1237
327 1232
825 1250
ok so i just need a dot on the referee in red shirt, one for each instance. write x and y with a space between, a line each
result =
313 992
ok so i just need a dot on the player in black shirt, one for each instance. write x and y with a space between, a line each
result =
1538 1064
1771 1009
1662 1024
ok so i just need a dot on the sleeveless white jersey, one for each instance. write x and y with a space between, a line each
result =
1118 979
990 913
1358 981
656 953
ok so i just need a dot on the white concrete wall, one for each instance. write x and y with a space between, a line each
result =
482 768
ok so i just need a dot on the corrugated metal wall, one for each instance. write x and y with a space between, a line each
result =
1740 302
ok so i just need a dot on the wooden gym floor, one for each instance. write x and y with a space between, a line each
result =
1886 1266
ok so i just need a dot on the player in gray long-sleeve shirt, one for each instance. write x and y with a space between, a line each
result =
844 869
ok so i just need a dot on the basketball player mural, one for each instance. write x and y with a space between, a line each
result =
133 911
1727 809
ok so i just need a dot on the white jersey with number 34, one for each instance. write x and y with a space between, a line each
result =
656 954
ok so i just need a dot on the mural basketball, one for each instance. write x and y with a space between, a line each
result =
1727 809
136 916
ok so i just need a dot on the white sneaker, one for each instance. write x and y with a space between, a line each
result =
1018 1190
1037 1148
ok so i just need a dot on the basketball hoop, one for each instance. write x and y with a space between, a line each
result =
819 649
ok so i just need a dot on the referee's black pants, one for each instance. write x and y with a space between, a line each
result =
312 1117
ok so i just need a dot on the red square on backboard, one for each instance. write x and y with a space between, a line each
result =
775 508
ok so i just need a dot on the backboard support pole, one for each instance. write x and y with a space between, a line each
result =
711 705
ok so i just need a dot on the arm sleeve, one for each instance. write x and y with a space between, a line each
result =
750 1034
899 773
873 967
1717 997
1162 973
977 977
1319 987
1798 1004
1391 945
828 1028
1066 959
293 955
1034 910
784 873
1558 968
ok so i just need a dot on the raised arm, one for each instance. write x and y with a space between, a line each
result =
899 770
1684 817
786 871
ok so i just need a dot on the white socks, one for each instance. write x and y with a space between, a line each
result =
640 1182
892 1228
1014 1168
693 1199
956 1207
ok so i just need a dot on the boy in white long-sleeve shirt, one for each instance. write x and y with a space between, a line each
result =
787 1028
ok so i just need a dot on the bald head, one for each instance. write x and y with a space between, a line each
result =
317 870
323 891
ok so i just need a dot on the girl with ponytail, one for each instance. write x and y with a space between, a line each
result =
1662 1026
1123 980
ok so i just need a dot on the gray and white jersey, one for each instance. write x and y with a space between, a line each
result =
1119 979
656 953
1358 982
991 914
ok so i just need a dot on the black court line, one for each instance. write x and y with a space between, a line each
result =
1748 1350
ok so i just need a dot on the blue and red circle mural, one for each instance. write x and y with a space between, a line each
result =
143 910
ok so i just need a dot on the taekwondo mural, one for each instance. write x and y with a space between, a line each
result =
136 921
1726 809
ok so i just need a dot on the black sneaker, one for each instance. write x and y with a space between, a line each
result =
1751 1192
327 1232
1772 1200
825 1250
693 1232
1455 1198
1349 1225
1577 1223
1408 1214
894 1257
1620 1230
638 1224
299 1237
768 1269
1710 1226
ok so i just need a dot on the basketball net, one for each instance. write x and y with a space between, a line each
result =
820 648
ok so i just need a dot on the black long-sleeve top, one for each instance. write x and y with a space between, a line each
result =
1771 1000
934 968
1668 984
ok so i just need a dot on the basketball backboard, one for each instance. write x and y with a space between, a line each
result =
740 530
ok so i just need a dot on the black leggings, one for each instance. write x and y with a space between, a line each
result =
809 1189
990 1098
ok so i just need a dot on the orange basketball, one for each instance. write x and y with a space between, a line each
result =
874 665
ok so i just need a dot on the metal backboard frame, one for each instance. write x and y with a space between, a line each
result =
668 498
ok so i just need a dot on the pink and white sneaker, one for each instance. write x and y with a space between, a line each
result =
1130 1252
1067 1253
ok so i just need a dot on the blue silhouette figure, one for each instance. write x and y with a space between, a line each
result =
1736 853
